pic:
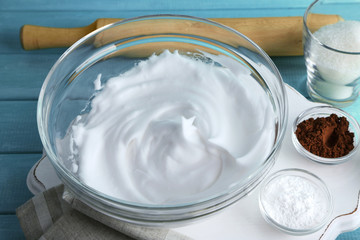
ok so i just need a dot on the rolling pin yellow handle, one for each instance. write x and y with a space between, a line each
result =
37 37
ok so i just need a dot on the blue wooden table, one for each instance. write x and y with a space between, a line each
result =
22 73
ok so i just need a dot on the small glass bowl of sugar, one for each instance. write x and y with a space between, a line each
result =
295 201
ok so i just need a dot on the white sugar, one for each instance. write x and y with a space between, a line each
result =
344 36
295 202
336 68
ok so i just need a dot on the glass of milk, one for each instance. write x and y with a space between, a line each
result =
331 38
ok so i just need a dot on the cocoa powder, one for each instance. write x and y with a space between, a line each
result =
327 137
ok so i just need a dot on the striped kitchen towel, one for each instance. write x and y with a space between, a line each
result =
48 216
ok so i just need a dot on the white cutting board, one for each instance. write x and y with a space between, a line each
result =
243 219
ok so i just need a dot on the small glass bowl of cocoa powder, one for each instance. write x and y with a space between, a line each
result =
326 135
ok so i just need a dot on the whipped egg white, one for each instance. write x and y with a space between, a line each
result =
172 129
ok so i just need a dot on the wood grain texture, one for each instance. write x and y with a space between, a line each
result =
10 228
151 5
22 75
13 172
18 126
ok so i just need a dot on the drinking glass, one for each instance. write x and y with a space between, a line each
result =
333 75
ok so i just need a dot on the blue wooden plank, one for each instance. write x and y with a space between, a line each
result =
123 5
354 235
13 172
22 75
293 72
19 132
164 6
341 2
10 228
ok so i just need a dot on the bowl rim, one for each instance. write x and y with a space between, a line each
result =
317 181
326 111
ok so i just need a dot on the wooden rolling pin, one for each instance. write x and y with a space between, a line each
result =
278 36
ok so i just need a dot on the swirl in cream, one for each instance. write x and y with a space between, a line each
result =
172 129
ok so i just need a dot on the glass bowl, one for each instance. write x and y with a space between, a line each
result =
118 47
333 69
285 185
325 111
